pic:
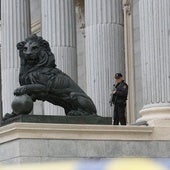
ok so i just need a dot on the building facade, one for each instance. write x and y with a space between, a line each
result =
92 40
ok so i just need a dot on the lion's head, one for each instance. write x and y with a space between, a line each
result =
35 51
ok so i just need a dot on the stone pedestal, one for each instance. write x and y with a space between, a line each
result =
104 50
60 119
59 29
15 28
154 35
41 142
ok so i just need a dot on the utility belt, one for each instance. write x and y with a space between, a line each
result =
116 100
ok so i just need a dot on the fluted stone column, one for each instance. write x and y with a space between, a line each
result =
155 58
15 28
104 50
58 27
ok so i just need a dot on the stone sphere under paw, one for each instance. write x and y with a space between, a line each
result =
22 104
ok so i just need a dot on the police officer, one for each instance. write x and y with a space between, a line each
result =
120 96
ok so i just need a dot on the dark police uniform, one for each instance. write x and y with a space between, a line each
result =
120 98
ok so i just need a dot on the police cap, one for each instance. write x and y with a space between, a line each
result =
118 75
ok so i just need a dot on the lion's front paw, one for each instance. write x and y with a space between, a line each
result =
21 90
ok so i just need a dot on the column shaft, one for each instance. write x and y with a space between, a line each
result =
15 28
104 50
154 34
58 27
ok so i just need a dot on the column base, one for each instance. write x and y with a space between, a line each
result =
162 123
154 113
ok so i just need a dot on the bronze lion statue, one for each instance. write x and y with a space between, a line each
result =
40 79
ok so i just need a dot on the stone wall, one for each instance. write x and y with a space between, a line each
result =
39 150
40 142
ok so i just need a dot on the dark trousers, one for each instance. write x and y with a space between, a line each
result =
119 114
